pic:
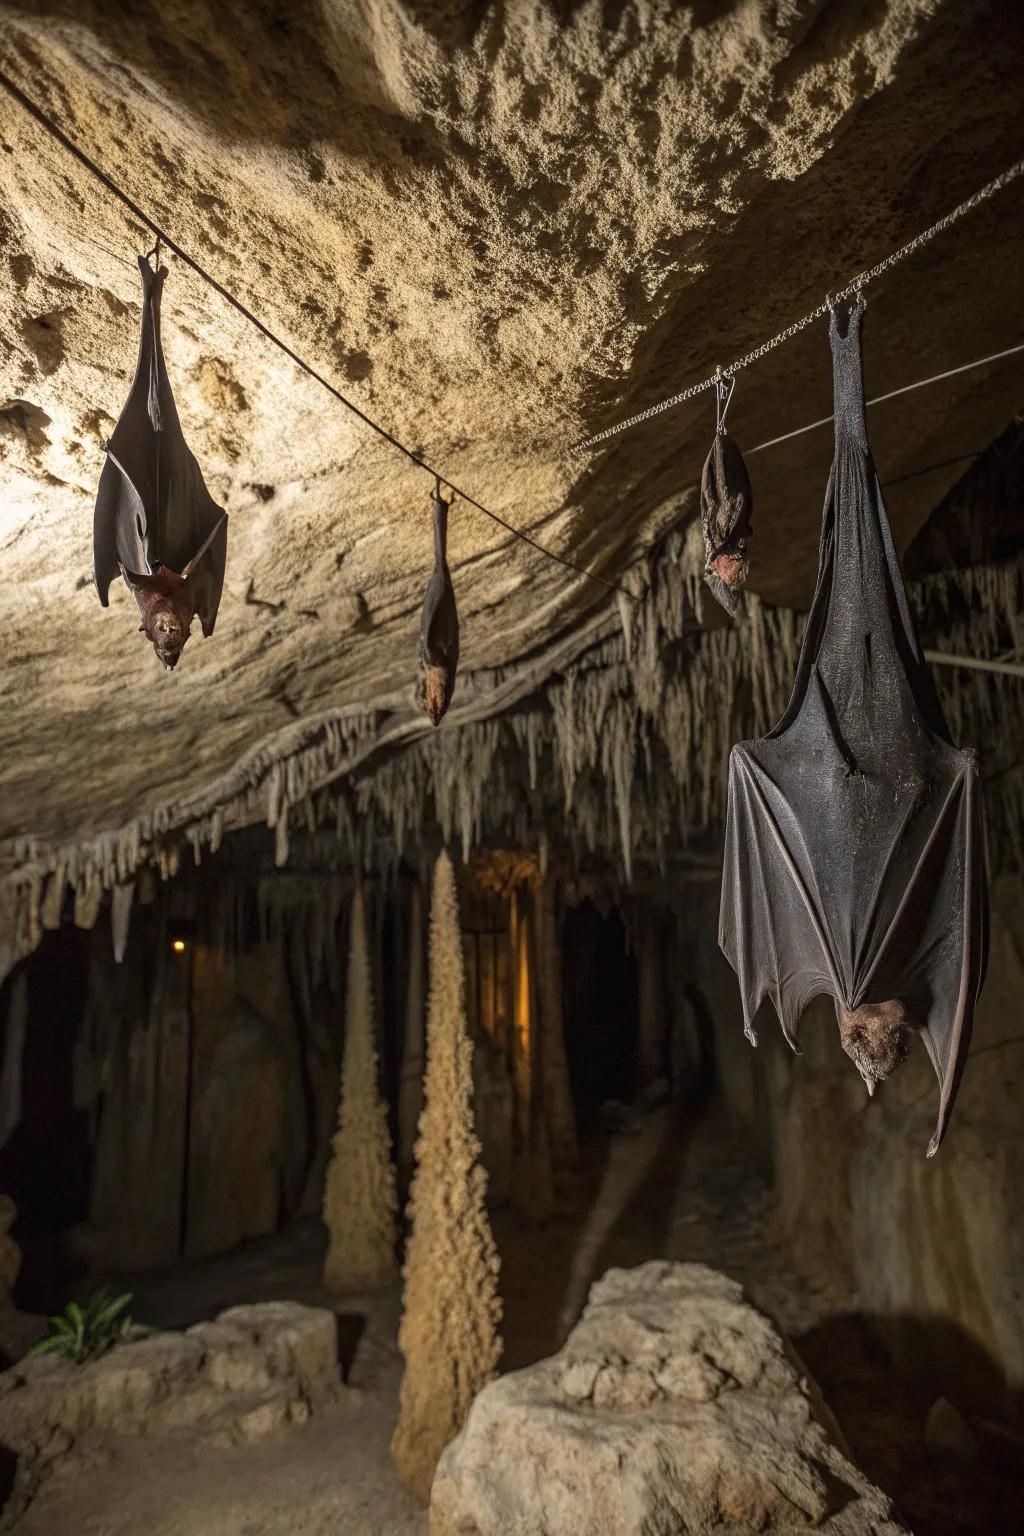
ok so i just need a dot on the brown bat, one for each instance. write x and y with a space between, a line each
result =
155 522
726 513
439 626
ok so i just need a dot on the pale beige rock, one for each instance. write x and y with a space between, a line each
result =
496 227
253 1371
673 1406
451 1311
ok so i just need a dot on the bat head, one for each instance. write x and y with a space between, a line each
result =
732 566
438 687
876 1037
164 601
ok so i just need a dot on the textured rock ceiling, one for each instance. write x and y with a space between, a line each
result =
497 227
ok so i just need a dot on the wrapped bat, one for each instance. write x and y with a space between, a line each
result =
439 626
726 511
155 522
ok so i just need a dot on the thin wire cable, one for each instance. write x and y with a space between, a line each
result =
161 234
927 469
904 389
858 283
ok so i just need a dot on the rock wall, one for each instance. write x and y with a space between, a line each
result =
932 1250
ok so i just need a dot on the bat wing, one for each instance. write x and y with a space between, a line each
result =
439 625
770 928
153 507
934 950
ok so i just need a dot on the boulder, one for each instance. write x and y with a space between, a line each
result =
252 1371
674 1407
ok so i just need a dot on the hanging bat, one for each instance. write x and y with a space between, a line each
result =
726 513
854 863
155 522
439 626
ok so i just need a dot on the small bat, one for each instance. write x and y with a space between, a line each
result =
726 513
854 863
155 522
439 626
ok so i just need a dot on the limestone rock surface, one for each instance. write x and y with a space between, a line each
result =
496 227
252 1371
673 1407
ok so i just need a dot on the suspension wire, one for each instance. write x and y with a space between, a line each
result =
163 237
830 301
716 381
904 389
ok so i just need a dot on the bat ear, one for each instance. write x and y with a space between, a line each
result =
142 629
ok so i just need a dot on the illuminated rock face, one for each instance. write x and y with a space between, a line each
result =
674 1405
495 230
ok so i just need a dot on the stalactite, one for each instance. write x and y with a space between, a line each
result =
120 916
623 752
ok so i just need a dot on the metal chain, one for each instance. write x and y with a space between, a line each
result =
858 283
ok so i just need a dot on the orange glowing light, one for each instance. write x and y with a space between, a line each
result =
178 945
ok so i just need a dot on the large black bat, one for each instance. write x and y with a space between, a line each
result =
155 521
439 624
854 861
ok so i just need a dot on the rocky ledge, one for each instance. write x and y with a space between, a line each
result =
674 1407
250 1372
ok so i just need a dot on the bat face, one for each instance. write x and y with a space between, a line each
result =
733 567
164 601
876 1037
438 687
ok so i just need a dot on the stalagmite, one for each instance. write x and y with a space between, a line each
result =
559 1111
410 1091
533 1187
449 1331
359 1199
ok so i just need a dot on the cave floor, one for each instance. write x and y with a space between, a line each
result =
335 1474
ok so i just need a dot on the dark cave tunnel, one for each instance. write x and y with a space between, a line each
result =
168 1123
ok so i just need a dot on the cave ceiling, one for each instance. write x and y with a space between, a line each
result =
496 227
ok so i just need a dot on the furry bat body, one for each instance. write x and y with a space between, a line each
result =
726 516
155 522
854 862
439 626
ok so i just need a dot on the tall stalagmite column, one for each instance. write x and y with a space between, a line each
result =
410 1090
360 1204
449 1332
554 1067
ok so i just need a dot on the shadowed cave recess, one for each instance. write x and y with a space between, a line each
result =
357 1051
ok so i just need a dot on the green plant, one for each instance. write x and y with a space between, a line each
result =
83 1333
